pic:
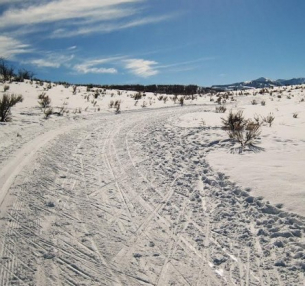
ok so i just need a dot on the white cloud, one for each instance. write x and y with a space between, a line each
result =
106 27
93 66
52 60
54 11
9 47
68 18
141 67
45 63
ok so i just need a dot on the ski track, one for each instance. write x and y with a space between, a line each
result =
129 199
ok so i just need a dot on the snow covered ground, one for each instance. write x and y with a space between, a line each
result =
154 195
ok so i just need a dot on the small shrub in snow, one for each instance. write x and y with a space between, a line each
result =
117 103
44 101
234 121
6 88
117 107
263 102
96 94
144 104
181 101
295 115
6 103
220 109
269 119
74 89
247 134
137 96
111 103
253 102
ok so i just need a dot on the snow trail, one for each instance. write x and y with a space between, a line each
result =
130 199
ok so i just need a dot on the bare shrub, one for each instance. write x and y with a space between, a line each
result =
269 119
6 88
144 104
295 115
117 106
247 135
241 130
96 94
234 121
257 119
220 109
6 103
253 102
111 103
137 96
263 102
181 100
117 103
44 101
74 89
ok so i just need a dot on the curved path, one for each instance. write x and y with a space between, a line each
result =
129 199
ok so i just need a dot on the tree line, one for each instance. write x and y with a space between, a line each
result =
8 73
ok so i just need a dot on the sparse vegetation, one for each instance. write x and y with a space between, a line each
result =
220 109
241 130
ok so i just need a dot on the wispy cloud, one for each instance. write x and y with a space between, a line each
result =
94 66
107 27
69 18
52 60
55 11
141 67
9 47
204 59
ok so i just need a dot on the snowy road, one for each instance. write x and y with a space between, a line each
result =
129 199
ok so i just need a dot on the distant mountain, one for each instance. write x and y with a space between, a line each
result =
260 83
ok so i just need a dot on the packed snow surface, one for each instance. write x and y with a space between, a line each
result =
151 193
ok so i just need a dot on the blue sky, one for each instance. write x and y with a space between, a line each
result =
202 42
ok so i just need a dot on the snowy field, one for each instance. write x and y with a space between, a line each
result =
155 194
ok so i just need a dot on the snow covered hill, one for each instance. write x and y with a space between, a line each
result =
261 82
